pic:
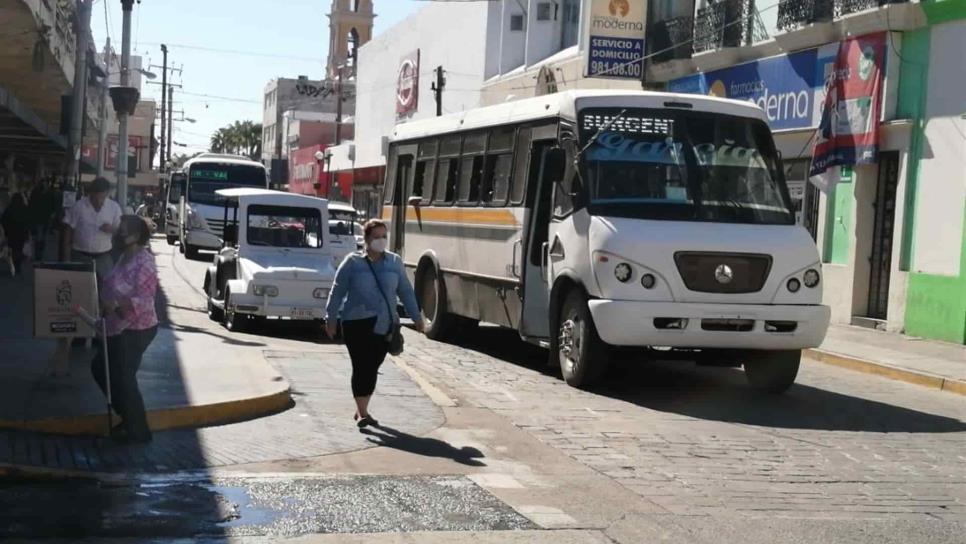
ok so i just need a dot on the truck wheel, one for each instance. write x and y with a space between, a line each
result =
234 321
582 355
172 239
432 294
772 371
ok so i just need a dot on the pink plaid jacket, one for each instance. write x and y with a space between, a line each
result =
135 279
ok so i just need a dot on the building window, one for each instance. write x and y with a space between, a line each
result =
516 23
571 23
544 11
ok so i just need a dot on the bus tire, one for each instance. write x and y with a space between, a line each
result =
582 355
432 296
772 371
172 239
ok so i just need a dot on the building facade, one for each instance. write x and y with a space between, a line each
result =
396 74
891 232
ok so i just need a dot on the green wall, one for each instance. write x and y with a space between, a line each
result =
935 305
840 219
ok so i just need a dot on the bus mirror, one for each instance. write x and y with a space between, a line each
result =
555 165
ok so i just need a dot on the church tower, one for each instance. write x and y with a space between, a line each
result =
350 26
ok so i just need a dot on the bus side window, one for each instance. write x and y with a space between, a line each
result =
498 166
471 168
425 171
389 190
447 175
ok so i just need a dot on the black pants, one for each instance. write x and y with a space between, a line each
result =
125 351
367 351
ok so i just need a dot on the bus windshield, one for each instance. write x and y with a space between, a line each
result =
681 165
206 178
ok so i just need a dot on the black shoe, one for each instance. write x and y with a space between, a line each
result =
367 421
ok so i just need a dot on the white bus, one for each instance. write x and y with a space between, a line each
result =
591 220
200 221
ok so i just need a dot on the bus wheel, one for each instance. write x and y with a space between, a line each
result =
172 240
772 371
582 354
432 294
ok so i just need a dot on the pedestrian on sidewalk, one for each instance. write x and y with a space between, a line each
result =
41 210
364 297
16 228
89 229
127 303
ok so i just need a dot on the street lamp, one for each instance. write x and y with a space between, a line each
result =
326 156
147 73
190 120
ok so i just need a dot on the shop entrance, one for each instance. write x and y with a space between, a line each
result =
880 259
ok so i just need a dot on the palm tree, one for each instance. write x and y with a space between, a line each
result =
238 138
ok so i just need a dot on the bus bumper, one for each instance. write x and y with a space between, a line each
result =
725 326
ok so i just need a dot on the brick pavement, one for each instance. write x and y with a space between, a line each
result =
697 441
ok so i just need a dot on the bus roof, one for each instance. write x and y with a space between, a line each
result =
245 192
565 104
223 159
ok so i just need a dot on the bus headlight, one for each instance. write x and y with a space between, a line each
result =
794 285
648 281
623 272
320 292
812 278
266 290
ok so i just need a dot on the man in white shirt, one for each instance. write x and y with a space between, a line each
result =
89 228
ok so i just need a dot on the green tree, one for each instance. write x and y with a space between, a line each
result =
238 138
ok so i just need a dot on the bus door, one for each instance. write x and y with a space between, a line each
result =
536 291
402 186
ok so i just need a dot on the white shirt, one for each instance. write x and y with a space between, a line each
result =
86 223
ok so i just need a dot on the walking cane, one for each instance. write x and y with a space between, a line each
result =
100 326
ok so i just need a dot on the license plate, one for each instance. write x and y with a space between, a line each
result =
302 313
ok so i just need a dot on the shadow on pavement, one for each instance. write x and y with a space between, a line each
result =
720 394
427 447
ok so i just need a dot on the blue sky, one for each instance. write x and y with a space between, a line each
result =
294 39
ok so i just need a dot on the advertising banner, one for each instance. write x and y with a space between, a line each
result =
849 130
134 143
616 39
407 85
788 87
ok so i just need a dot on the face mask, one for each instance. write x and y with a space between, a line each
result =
378 245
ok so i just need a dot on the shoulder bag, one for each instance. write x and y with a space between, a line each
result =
394 337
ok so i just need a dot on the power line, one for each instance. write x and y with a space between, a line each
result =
226 98
239 52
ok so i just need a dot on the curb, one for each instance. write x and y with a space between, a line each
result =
162 419
923 379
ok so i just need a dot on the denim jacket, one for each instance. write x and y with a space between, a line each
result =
355 294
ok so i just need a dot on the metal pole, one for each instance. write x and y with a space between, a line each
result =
170 118
122 117
104 116
82 33
164 104
338 110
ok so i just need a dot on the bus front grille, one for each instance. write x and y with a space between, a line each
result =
707 272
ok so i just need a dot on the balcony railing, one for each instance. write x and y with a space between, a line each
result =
671 39
794 14
727 23
845 7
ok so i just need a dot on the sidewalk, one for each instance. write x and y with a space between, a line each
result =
181 389
937 365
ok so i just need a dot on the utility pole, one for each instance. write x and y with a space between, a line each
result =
438 87
164 102
103 114
122 140
170 119
82 21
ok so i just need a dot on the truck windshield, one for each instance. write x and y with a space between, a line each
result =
176 188
284 226
681 165
206 178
